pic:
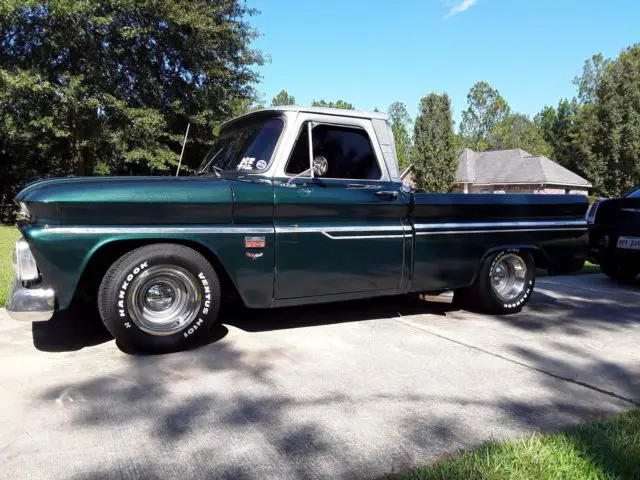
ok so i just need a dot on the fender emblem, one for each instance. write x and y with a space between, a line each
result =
253 255
254 242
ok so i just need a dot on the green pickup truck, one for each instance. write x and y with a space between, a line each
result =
291 206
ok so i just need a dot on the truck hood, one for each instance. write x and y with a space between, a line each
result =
129 200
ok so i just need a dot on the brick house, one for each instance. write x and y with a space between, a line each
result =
515 171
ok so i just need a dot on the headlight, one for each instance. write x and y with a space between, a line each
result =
24 263
23 213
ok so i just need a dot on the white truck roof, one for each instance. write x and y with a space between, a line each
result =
319 110
330 111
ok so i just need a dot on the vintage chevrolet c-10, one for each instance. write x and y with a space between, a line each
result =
291 206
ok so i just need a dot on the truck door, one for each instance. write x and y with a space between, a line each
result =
345 230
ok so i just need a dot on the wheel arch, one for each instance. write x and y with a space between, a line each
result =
104 254
540 257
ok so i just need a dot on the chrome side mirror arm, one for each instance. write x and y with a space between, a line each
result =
406 172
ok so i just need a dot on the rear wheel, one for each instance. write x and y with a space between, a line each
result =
503 285
162 297
618 272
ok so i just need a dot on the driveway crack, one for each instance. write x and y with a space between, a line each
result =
520 363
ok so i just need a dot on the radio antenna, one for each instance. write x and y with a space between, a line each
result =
184 143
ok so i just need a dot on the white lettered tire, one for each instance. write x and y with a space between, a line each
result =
504 283
160 297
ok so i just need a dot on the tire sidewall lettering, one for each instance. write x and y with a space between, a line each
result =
121 300
525 295
204 305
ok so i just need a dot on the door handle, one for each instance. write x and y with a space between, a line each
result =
387 194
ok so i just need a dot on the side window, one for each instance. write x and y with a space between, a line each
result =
348 151
299 159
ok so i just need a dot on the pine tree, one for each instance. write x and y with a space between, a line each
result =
434 155
400 122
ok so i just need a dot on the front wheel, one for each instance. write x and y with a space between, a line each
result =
503 285
158 298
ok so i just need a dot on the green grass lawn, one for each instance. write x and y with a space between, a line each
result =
589 268
605 449
8 237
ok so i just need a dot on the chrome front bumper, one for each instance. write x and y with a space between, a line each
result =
30 304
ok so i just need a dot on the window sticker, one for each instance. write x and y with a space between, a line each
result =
261 164
246 163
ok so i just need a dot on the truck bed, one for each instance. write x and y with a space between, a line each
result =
454 232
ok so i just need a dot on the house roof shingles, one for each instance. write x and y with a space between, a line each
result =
513 166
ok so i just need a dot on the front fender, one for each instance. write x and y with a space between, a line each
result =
63 254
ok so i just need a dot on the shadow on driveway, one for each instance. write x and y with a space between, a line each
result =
258 408
80 328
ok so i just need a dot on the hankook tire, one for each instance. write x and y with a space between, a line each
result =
158 298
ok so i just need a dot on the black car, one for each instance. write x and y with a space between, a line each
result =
614 236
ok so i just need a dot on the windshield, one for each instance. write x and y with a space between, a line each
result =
245 147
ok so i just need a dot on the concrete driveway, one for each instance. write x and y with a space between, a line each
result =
354 390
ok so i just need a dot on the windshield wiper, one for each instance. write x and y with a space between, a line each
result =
215 173
216 170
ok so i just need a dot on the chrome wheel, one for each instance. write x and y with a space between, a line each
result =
509 277
163 299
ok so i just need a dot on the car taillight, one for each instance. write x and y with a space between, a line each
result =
591 212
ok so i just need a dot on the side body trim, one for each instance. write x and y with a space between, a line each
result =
501 225
500 230
329 232
154 230
421 229
360 228
358 237
377 232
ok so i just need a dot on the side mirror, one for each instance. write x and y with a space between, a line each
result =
320 166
